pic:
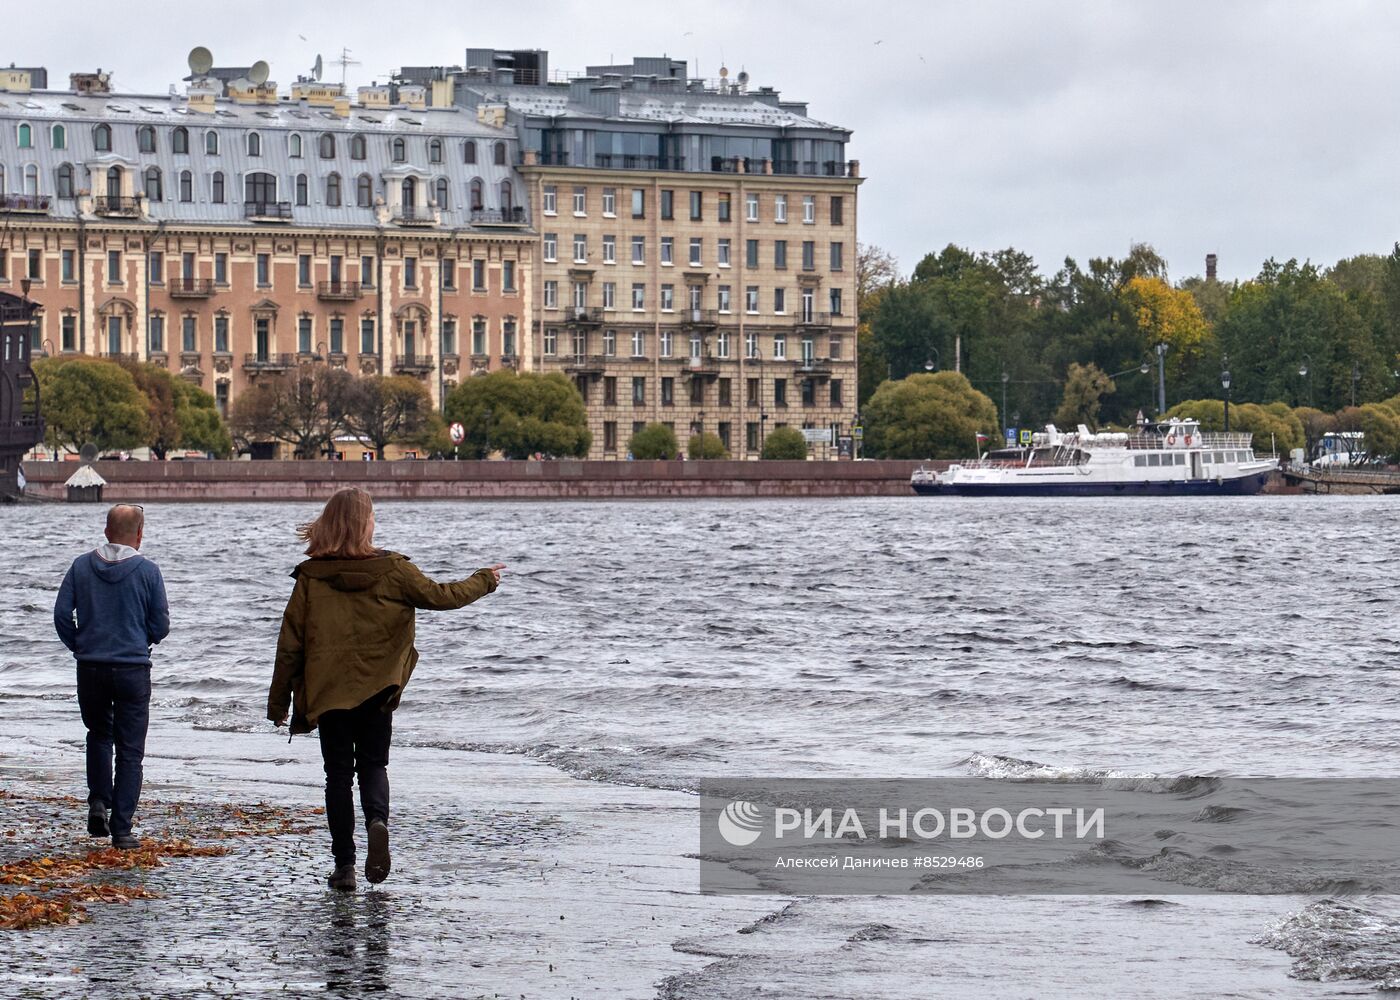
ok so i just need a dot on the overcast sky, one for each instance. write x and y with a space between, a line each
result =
1069 128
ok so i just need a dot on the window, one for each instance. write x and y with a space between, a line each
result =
726 397
580 248
751 392
367 335
722 344
697 205
836 392
639 297
668 204
609 295
751 253
751 300
476 192
26 136
211 143
333 190
809 255
723 253
479 336
4 264
639 390
294 145
610 434
254 144
668 247
780 255
449 274
398 151
499 154
580 295
696 244
639 203
221 268
697 391
221 334
809 392
551 341
666 344
508 338
67 266
478 275
64 186
264 269
551 294
581 342
434 150
440 193
156 334
751 207
304 334
723 294
146 139
189 334
639 344
337 335
186 186
723 210
180 140
639 249
780 208
155 263
837 255
668 298
507 275
750 344
836 302
102 138
780 392
410 272
695 345
668 391
304 269
580 201
610 249
36 265
469 151
216 187
507 202
609 390
833 347
779 347
837 210
114 266
551 247
610 202
326 146
69 341
809 209
549 202
779 301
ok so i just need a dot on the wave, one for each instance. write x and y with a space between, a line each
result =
1331 940
1000 767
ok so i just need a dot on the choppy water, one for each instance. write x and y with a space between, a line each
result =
654 643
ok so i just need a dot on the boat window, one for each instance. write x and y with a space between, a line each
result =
1140 460
1154 460
1220 456
1180 458
1206 458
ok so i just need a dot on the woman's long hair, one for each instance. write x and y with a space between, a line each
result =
343 529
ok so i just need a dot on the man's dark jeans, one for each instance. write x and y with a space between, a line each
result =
115 700
354 741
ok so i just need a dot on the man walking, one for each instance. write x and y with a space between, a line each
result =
110 611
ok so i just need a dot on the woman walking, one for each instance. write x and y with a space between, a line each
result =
344 656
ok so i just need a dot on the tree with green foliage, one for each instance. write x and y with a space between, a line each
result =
201 426
179 414
90 401
1275 427
1316 425
520 414
654 441
936 415
1085 387
705 445
387 409
785 443
1381 425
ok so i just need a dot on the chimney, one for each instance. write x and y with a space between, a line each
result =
1210 267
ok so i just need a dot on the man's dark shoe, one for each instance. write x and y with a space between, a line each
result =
97 822
342 879
377 862
126 842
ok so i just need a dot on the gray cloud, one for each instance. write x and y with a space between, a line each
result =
1251 129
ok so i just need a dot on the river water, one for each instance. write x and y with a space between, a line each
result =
658 643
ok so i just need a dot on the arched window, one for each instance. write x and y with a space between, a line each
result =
364 191
211 142
434 150
500 154
217 188
303 190
58 137
102 138
114 182
333 190
31 179
409 193
506 201
478 195
357 147
294 145
254 144
153 185
440 193
327 146
260 189
180 140
64 178
469 151
146 139
26 136
398 151
186 186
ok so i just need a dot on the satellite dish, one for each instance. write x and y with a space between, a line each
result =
316 70
258 73
743 77
201 60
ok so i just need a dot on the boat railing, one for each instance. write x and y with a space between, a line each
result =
1201 439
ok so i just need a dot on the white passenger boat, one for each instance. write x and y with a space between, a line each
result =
1169 458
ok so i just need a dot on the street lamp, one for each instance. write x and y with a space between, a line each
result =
933 363
1305 371
1005 378
1225 384
1162 378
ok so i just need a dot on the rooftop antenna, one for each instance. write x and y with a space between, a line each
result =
317 69
344 62
258 73
200 60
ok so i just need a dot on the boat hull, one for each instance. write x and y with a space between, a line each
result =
1239 486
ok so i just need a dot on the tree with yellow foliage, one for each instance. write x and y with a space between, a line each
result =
1170 315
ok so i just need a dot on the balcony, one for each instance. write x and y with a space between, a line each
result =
810 320
267 211
498 217
585 364
583 316
256 364
118 205
700 318
409 215
338 291
191 288
816 168
812 368
413 364
126 356
707 366
628 161
24 204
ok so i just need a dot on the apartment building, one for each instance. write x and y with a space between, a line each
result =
234 234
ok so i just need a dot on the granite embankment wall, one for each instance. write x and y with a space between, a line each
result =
424 480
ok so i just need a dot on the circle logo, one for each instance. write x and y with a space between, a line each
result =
740 823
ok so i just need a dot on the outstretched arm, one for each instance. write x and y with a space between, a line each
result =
422 592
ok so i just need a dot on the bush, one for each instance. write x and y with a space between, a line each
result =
928 416
1273 426
706 445
785 443
520 414
654 441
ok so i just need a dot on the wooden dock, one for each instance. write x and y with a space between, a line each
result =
1325 480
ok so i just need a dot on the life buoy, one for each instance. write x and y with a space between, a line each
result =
1188 440
1171 439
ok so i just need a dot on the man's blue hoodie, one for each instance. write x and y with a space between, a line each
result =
111 607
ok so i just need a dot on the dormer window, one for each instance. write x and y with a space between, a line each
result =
102 138
180 140
397 151
146 139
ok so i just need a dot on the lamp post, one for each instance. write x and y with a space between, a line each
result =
934 362
1225 384
1355 374
1162 378
1005 378
1305 371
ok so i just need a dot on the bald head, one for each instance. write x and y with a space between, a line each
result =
124 525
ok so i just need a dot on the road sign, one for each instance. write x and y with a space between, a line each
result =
1026 437
1010 434
859 432
457 432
